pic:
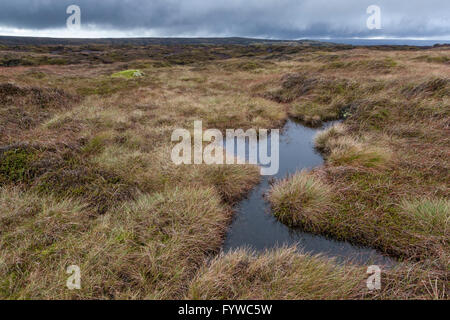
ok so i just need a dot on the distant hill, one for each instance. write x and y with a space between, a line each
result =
13 41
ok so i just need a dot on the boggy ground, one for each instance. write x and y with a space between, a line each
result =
86 177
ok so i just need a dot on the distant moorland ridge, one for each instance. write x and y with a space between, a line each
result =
7 40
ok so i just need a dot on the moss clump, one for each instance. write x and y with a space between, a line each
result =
15 165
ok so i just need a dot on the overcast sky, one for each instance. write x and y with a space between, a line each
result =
282 19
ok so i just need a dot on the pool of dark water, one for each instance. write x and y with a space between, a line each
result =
255 227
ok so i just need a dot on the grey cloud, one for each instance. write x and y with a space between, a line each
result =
252 18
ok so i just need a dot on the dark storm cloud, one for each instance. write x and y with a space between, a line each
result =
252 18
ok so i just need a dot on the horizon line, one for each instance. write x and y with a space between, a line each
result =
234 37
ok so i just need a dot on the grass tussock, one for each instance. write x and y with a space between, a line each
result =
293 85
341 149
280 274
431 216
161 240
224 179
63 173
322 139
287 274
438 87
36 237
313 114
300 199
314 99
146 249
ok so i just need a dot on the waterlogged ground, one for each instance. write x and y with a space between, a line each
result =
254 226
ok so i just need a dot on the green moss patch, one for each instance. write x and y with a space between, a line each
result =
15 165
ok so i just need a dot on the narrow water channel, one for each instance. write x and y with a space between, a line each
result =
256 228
